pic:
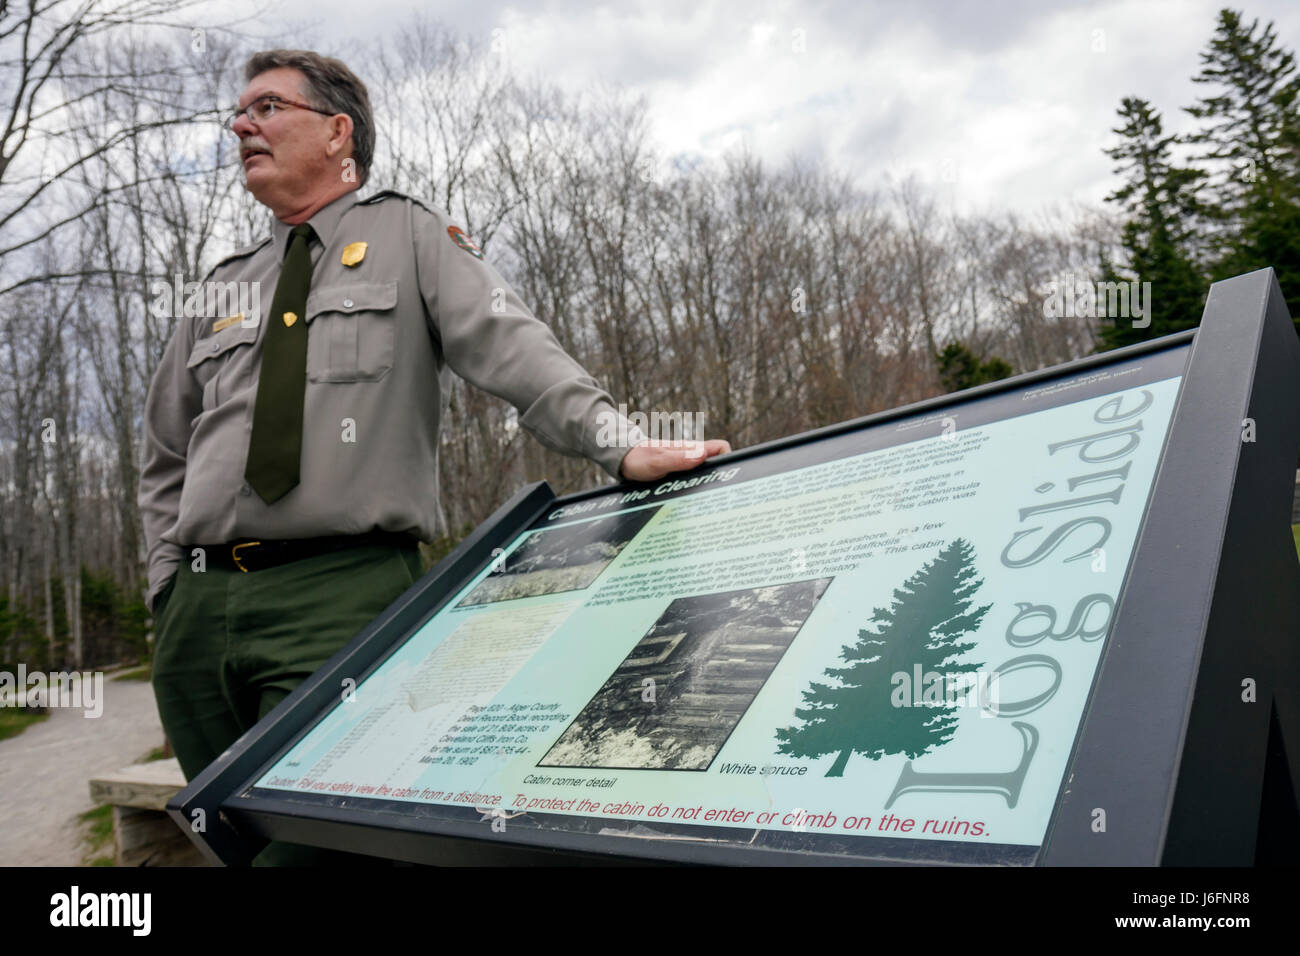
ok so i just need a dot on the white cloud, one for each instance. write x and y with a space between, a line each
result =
998 106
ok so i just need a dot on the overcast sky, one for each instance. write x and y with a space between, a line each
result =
998 105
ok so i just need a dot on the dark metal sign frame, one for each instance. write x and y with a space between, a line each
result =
1186 768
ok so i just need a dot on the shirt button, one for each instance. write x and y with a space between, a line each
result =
347 303
216 346
246 490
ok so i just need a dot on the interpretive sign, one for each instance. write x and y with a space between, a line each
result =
990 627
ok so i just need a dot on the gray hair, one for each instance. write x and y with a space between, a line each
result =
330 86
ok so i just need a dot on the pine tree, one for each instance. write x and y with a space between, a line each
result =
961 368
1251 137
923 625
1164 218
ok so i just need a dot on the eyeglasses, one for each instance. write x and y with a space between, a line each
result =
264 107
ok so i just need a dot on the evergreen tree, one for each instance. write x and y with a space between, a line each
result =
1164 217
1251 136
923 626
961 368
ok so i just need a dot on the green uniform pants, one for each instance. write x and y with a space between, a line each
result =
230 645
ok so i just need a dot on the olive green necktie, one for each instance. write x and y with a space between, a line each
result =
275 447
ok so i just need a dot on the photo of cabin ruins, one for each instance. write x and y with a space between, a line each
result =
568 558
675 699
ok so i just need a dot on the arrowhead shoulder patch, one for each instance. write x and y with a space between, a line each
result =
465 242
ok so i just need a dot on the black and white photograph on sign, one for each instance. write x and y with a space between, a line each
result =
569 558
679 694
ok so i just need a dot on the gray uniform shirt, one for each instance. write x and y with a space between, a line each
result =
381 334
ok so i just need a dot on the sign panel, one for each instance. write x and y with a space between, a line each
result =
878 642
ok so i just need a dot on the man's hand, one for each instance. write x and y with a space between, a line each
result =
654 458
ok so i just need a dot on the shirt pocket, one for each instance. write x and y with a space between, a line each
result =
351 330
213 355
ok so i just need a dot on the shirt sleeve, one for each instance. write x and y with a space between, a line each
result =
175 399
492 340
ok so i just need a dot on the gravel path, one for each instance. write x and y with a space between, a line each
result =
45 772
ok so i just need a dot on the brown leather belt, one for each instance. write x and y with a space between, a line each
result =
251 554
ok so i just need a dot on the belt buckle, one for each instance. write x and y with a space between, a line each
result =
234 553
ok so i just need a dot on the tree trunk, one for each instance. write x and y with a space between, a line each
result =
837 768
48 591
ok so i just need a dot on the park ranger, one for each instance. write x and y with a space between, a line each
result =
291 449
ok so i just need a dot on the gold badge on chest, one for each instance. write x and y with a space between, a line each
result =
353 253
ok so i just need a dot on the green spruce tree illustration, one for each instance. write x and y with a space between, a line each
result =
923 625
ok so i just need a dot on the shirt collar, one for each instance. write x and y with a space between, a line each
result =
324 221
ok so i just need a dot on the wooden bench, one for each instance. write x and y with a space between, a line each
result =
143 834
